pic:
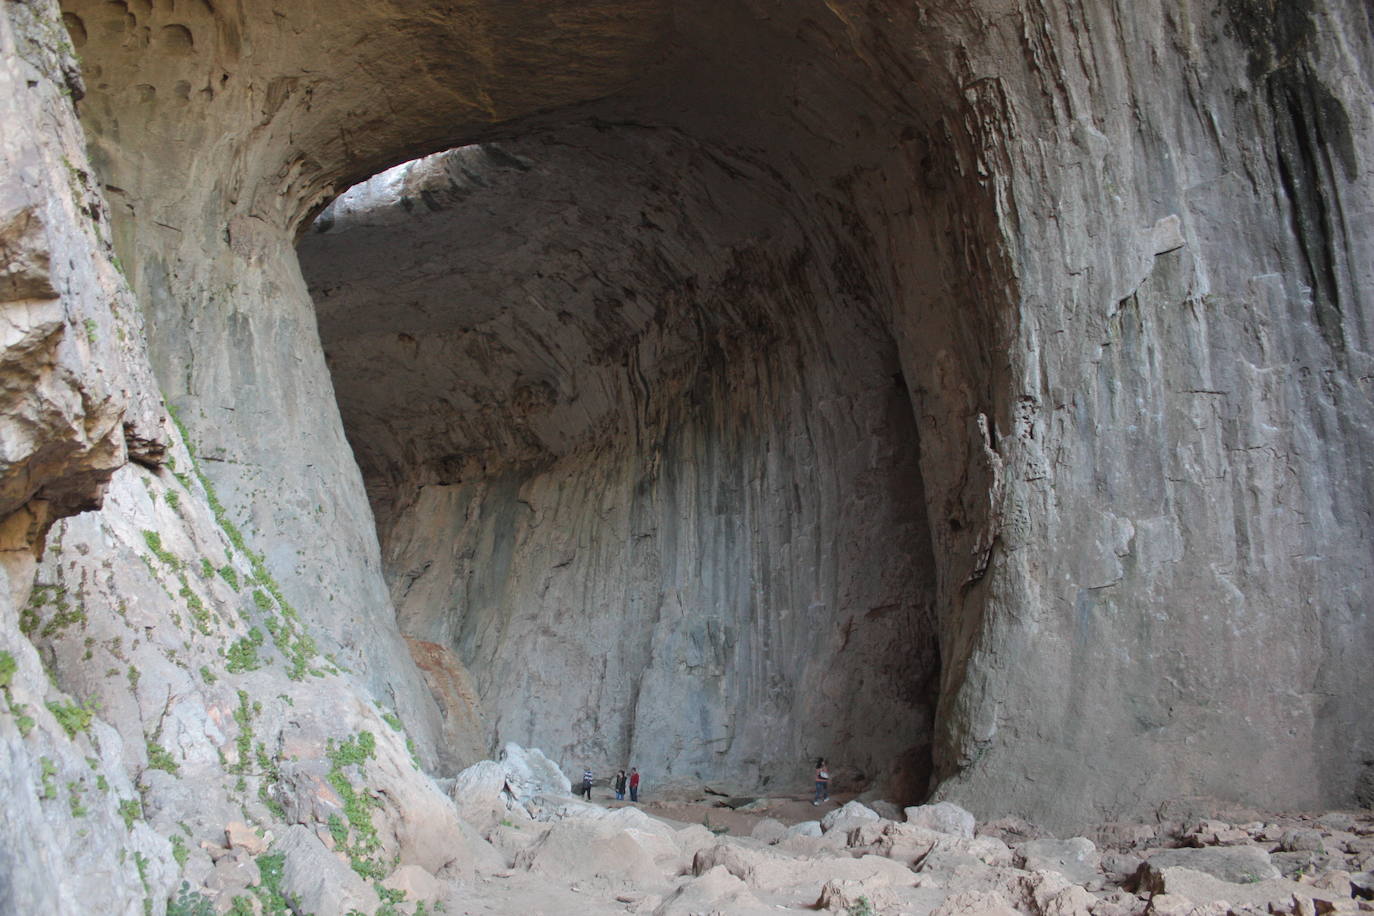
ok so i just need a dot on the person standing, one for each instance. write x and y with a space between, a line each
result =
634 784
620 786
586 785
822 782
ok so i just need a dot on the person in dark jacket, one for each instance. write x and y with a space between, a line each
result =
620 786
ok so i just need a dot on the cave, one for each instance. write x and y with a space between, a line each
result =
974 394
640 449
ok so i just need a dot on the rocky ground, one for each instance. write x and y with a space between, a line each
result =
534 849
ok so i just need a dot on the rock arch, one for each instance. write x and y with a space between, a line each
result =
1112 255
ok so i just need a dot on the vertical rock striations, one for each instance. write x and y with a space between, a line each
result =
665 504
795 333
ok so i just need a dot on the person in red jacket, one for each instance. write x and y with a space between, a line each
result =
634 784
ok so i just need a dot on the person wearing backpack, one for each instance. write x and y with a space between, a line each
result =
586 791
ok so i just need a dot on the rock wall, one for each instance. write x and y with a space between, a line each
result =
1181 436
1118 254
663 501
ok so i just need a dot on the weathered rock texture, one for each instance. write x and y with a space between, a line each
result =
664 503
1135 379
1117 254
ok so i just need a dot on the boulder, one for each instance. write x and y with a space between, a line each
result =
1174 905
1076 859
850 811
942 817
906 843
1338 820
416 883
232 875
573 850
1301 841
1204 889
714 891
319 880
975 903
1119 867
1238 864
805 828
1124 836
756 867
885 809
694 837
1010 830
480 787
1337 881
507 840
990 851
1297 864
241 836
769 830
1214 833
770 869
847 895
529 773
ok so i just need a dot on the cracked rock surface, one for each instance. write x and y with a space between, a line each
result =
976 391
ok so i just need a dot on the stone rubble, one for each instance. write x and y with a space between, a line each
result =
510 829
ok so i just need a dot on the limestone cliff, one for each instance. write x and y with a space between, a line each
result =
1020 352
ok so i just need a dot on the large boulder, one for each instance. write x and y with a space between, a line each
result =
318 880
583 850
1237 864
1076 859
714 891
416 884
943 817
769 869
1202 888
530 774
769 830
848 895
975 903
480 784
847 815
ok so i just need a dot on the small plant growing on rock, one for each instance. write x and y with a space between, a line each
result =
74 799
154 542
191 903
131 810
48 770
73 717
860 907
159 758
179 850
243 654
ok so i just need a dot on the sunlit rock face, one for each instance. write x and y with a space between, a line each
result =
642 451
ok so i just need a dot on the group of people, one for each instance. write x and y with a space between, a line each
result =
620 784
623 782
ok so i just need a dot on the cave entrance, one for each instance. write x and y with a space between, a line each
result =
640 452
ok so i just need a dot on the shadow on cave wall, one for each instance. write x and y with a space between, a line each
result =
641 452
